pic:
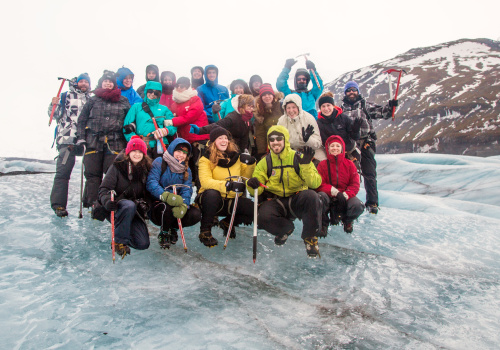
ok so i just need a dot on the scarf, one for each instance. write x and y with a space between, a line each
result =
112 95
181 97
247 116
173 163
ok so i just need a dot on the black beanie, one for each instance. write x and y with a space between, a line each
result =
182 147
218 131
107 75
325 99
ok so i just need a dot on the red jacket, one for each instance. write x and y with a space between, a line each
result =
344 175
166 100
189 112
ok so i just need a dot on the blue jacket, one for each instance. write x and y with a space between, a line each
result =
130 94
157 182
211 91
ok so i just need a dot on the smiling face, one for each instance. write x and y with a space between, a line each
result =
180 155
136 156
221 143
127 81
153 94
335 148
352 94
292 110
256 85
168 81
238 89
276 143
267 98
326 109
107 84
151 75
197 74
211 74
83 85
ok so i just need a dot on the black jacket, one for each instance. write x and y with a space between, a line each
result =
340 125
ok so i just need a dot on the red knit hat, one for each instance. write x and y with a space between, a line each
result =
136 143
266 89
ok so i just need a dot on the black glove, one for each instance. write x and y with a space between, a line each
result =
341 202
393 103
290 62
356 125
235 186
247 159
307 155
142 207
216 108
253 183
127 129
310 65
307 132
111 206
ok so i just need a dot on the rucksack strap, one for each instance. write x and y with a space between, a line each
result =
270 167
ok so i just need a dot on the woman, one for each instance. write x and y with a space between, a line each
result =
172 169
339 186
216 195
167 80
139 121
127 177
237 87
100 128
268 110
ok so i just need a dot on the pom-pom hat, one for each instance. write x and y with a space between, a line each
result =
136 143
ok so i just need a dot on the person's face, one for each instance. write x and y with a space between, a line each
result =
292 110
127 81
197 73
352 94
151 75
239 90
326 109
180 156
249 108
211 74
180 88
267 98
221 143
168 81
335 148
83 85
107 84
153 94
256 85
276 143
136 156
301 79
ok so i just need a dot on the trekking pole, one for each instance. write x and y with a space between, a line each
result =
113 228
312 70
174 188
80 215
234 208
389 71
255 209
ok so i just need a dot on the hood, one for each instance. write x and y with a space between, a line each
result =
168 89
252 79
246 89
295 99
197 67
121 74
176 142
301 71
335 138
151 85
216 81
281 129
153 67
234 103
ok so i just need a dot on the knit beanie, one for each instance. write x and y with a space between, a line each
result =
351 84
266 89
216 132
182 147
325 99
107 75
83 76
136 143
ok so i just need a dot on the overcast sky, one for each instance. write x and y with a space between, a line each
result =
43 40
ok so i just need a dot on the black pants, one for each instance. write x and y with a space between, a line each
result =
130 228
161 215
369 171
59 194
353 210
276 215
96 165
194 158
212 204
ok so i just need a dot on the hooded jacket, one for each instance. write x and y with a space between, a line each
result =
144 125
166 96
157 181
195 83
130 93
340 125
344 175
284 181
211 91
254 78
154 68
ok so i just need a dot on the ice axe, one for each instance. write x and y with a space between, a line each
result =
179 222
389 71
58 94
312 70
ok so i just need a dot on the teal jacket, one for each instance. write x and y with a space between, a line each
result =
226 108
144 126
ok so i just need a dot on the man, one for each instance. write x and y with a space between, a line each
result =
211 91
66 114
290 180
125 79
302 79
355 106
197 77
152 74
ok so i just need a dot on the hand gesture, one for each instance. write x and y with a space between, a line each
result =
307 132
290 62
310 65
307 155
160 133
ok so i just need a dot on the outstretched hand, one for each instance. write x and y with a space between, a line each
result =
307 155
290 62
310 65
195 129
307 132
393 103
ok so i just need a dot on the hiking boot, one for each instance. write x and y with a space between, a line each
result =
312 249
207 239
372 208
164 240
122 249
348 226
173 235
224 225
324 232
61 212
281 239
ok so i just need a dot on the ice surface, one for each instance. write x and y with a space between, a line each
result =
422 274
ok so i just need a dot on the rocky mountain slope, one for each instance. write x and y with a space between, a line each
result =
449 98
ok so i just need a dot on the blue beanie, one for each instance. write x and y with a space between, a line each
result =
351 84
83 76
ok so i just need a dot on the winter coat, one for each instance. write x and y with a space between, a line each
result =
340 125
284 181
227 106
141 90
367 111
132 96
188 109
295 125
344 175
67 115
211 91
213 178
157 181
308 97
262 122
101 121
143 123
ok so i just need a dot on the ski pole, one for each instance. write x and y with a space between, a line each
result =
113 228
234 208
179 222
389 71
255 209
58 94
80 215
312 70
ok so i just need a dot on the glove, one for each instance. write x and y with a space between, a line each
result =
216 108
247 159
179 211
129 128
341 202
111 206
310 65
195 129
234 186
307 132
142 208
168 122
253 183
334 192
160 133
307 155
174 200
290 62
356 125
393 103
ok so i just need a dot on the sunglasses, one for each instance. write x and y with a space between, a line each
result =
275 138
351 90
301 79
155 92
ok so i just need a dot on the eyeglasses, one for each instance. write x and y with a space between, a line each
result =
276 138
301 79
353 89
155 92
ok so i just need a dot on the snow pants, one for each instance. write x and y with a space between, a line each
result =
96 165
353 210
130 228
64 167
369 171
276 215
161 215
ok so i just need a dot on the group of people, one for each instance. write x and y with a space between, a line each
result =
156 144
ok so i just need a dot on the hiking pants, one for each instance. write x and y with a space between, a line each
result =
130 228
161 215
369 171
59 194
96 165
353 210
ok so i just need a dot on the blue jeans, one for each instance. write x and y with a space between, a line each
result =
130 229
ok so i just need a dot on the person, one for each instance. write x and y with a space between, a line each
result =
211 91
197 77
237 87
139 121
125 79
68 109
302 127
268 110
290 181
339 187
255 82
216 195
172 169
127 178
355 106
301 81
168 84
152 74
100 129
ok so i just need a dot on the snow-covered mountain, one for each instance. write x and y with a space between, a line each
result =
448 98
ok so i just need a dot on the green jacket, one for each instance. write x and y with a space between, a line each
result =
284 181
143 123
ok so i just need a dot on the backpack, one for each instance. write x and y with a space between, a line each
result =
62 105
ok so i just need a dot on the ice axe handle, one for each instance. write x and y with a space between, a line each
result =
54 106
